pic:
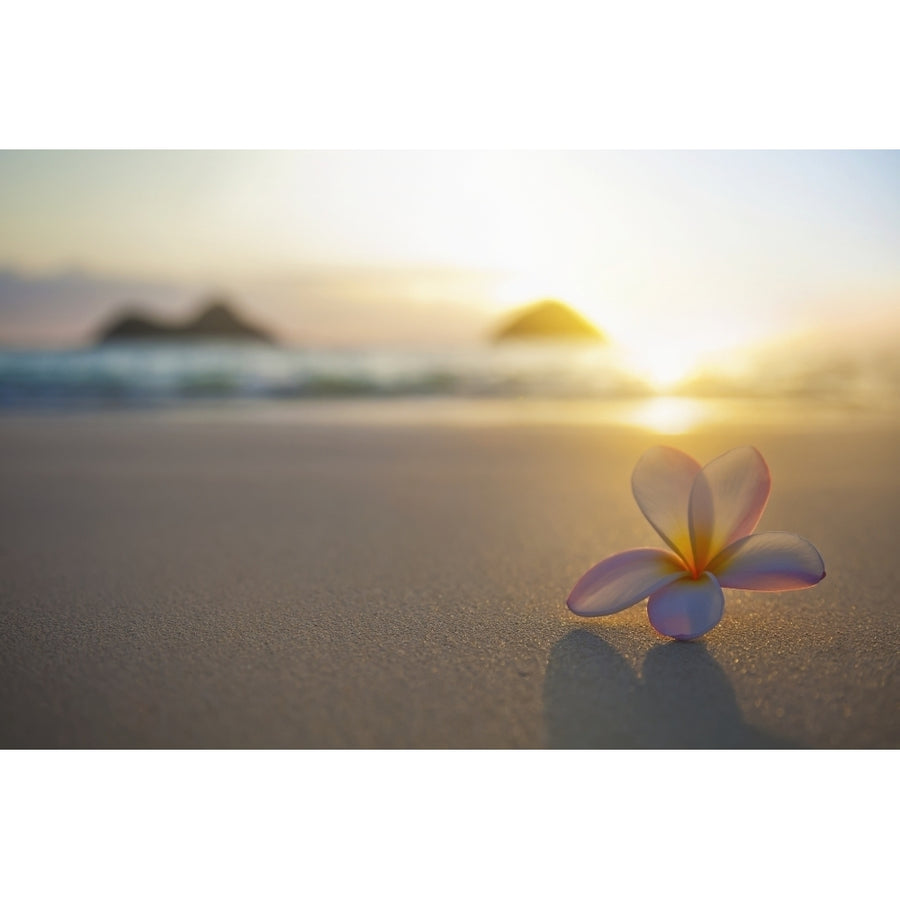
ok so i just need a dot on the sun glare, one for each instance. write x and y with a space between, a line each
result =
663 366
665 359
661 362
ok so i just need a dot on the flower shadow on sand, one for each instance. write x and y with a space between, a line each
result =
593 698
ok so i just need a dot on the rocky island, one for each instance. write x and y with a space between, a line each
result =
216 321
548 320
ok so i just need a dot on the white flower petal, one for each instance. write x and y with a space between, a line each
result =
661 484
769 561
622 580
727 500
686 608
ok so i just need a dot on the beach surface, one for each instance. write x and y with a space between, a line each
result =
250 579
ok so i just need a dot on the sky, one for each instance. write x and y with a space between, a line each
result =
694 250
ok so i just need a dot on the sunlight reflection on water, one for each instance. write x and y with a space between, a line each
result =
668 415
663 415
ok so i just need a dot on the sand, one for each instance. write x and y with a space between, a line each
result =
244 580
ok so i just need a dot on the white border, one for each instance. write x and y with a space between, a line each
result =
448 824
483 74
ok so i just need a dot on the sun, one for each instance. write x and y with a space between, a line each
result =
667 357
663 365
658 361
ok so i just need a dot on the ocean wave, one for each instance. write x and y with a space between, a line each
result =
136 375
139 375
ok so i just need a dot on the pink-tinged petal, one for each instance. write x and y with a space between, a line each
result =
661 484
622 580
686 608
769 561
727 500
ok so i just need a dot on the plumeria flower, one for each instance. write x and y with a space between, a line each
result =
707 516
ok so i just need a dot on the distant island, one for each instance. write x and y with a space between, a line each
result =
548 320
216 321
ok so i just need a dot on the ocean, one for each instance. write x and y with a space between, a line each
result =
160 374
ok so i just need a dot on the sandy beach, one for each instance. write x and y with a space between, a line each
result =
249 580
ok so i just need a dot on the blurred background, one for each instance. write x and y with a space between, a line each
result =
727 280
